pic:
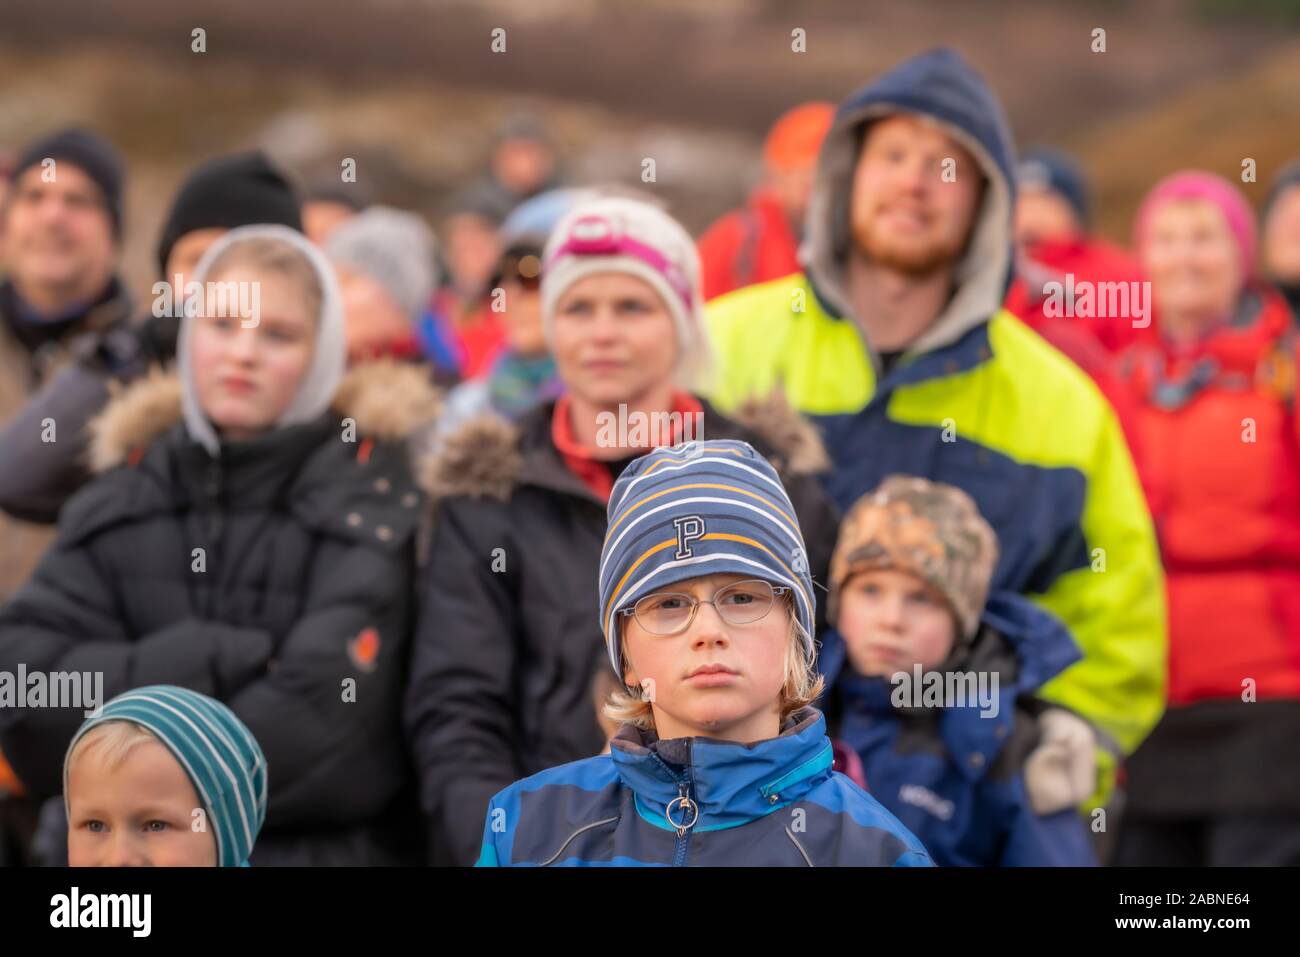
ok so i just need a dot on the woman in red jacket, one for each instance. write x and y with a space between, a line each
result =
1218 781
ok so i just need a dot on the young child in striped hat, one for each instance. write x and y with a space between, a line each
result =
707 608
163 776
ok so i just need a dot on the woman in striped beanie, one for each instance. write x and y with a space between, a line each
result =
163 776
720 760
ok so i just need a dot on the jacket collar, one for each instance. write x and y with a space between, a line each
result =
78 329
489 457
388 400
582 461
552 459
1253 348
968 351
1025 645
111 305
247 474
732 783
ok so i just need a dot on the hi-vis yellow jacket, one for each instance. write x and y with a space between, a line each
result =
1003 415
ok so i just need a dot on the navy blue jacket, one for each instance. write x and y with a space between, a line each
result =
698 802
953 776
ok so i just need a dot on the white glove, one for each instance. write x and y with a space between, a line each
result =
1062 771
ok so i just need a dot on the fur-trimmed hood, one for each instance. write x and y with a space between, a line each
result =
389 400
484 459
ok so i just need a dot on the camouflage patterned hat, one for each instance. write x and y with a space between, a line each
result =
927 528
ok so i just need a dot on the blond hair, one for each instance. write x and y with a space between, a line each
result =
112 740
802 686
275 256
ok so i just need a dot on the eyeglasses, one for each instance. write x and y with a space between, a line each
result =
740 603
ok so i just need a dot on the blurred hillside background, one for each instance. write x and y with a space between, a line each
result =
412 90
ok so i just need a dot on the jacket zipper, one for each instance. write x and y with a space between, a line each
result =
689 813
681 813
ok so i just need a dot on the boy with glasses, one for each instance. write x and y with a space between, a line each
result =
720 760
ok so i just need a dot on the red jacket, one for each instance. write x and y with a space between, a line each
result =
1217 424
1088 259
748 245
1090 342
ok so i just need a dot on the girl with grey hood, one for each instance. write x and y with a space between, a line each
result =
251 537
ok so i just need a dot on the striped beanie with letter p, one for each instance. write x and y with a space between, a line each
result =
219 754
700 508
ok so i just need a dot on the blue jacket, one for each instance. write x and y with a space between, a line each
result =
953 777
776 803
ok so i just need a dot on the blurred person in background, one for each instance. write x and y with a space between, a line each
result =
523 372
760 241
386 263
459 334
241 189
522 163
61 303
328 203
1054 245
1053 240
1281 235
1217 783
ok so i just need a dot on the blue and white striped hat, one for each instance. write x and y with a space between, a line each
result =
218 752
699 508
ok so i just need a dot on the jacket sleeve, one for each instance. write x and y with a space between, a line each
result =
1045 840
66 619
913 859
1114 606
460 706
489 855
36 476
326 709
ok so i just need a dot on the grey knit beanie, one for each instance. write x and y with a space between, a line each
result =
394 248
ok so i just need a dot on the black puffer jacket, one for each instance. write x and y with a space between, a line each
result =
508 637
270 578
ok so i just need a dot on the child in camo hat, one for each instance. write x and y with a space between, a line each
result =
931 681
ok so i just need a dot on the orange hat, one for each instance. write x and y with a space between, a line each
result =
796 137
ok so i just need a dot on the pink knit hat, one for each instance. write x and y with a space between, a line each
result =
1195 184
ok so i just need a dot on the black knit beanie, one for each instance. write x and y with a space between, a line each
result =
89 152
230 191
